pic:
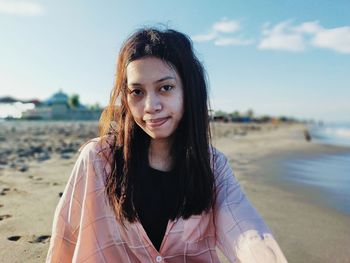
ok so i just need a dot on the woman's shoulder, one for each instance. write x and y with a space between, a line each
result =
220 164
217 157
98 148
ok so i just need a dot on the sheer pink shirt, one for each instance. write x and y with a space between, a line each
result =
85 228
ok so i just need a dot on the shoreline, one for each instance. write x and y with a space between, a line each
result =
278 174
306 231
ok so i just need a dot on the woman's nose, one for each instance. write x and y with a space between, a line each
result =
152 104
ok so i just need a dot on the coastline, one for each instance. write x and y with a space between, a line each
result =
305 231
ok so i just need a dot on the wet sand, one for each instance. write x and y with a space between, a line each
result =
31 182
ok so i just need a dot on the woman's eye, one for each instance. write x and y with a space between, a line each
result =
136 92
166 88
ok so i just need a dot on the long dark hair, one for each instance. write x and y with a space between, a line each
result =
191 147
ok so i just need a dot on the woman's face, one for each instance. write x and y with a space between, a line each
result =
154 96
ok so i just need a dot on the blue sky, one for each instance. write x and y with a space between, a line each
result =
276 57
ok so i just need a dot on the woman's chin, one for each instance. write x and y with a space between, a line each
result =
159 135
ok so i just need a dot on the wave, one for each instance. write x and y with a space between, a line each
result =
334 134
339 132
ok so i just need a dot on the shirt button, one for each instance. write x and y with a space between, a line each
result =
159 258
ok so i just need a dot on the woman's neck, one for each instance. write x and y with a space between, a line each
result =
159 154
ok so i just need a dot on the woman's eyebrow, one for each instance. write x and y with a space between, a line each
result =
157 81
165 78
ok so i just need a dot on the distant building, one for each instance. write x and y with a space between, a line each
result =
58 98
57 107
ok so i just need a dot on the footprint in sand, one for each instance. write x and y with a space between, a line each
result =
2 217
1 205
14 238
4 190
40 239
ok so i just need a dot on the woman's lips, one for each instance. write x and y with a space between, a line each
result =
153 123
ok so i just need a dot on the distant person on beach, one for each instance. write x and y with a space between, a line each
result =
152 188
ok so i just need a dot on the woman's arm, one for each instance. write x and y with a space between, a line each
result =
241 233
67 215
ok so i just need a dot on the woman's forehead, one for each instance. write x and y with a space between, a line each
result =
149 69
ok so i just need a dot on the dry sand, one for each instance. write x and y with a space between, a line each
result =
30 186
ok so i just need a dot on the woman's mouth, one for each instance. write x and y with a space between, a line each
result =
154 123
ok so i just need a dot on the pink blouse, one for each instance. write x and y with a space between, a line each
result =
85 228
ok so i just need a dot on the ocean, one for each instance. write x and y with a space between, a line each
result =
333 133
325 177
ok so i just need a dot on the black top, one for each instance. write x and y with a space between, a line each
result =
155 202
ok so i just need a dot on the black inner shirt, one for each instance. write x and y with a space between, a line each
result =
155 202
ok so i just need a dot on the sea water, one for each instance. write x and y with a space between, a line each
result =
331 133
326 176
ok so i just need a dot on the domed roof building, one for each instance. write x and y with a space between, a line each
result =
61 107
58 98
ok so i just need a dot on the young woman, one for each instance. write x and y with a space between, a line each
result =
152 188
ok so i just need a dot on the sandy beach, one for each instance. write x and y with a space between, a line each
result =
36 160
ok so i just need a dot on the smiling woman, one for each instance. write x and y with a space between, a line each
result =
152 188
155 97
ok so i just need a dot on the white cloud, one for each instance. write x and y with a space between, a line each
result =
221 34
205 37
281 37
230 41
283 42
337 39
285 36
226 26
308 27
23 8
